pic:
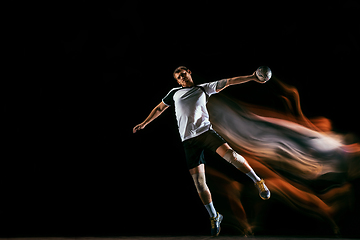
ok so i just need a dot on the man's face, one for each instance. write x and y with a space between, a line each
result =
184 78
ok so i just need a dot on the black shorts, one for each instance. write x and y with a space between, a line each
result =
194 147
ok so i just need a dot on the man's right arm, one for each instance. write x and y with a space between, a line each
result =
160 108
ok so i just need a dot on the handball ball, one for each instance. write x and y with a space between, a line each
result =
263 73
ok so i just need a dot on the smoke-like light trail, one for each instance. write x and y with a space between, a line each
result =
290 152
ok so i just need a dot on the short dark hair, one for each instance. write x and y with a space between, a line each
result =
178 69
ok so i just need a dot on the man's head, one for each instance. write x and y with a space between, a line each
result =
183 76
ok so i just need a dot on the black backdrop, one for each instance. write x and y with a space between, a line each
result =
87 72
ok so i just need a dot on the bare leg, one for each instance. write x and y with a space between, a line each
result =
226 152
243 167
198 175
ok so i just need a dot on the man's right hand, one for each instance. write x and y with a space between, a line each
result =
161 107
138 127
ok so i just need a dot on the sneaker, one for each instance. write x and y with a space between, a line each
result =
215 224
264 192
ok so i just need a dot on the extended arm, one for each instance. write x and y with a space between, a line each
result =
160 108
236 80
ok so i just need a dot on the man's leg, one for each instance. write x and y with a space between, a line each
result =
226 152
198 175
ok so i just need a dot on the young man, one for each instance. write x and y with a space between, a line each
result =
197 134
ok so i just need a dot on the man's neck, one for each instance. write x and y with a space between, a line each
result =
189 85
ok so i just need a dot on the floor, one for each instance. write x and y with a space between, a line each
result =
181 238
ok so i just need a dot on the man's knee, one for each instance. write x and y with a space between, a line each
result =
200 182
234 158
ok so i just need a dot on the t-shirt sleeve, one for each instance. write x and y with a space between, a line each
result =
168 99
210 88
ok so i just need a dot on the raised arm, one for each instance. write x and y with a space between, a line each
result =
160 108
222 84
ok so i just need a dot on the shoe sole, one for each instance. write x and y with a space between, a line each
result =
265 198
217 233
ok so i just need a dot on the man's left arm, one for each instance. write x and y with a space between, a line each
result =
222 84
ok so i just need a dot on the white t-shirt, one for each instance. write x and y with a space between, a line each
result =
190 108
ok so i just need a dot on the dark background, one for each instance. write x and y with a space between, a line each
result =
87 72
